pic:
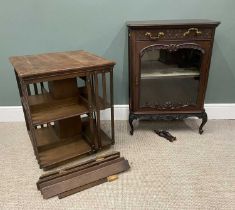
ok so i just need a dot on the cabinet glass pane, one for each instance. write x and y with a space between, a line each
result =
169 78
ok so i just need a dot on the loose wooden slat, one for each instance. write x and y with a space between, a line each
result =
84 187
63 174
84 179
52 176
75 167
66 176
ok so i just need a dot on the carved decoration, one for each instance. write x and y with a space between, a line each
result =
175 34
168 105
171 47
202 115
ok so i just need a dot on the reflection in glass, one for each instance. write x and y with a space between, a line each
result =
169 77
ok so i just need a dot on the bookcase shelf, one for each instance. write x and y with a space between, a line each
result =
57 110
77 146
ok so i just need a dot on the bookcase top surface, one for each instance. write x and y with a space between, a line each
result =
172 22
58 62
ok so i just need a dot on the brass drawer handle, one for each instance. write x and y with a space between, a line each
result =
196 31
159 35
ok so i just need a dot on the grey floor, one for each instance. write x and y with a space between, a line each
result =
195 172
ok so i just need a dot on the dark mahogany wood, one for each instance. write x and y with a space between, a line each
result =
53 103
172 23
166 135
171 35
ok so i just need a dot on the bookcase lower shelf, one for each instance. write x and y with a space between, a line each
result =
54 151
63 153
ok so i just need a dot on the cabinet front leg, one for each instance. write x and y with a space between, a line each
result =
204 120
132 117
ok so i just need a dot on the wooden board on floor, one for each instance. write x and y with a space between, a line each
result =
83 176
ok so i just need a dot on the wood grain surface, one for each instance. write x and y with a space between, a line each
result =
57 62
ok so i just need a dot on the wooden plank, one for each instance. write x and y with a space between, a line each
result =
85 169
51 175
84 187
84 179
45 180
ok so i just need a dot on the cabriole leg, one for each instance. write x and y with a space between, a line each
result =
131 119
204 120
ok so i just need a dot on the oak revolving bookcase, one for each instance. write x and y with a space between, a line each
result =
62 95
169 63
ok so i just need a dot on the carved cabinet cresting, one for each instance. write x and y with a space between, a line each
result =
168 69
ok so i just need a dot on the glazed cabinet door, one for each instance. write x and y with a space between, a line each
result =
171 76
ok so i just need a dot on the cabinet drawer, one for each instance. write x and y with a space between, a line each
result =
192 33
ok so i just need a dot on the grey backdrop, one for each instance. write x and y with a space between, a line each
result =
33 26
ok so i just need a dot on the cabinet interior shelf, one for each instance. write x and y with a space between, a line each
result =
156 69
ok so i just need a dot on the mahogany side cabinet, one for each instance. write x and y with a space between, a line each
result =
169 64
62 95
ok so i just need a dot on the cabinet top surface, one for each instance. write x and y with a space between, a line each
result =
57 62
172 22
